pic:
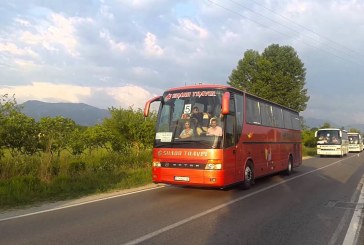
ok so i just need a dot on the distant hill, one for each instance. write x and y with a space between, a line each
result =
316 123
82 114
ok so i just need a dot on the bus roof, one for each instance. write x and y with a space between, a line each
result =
220 86
331 129
199 86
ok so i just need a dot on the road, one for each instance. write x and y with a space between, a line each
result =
314 205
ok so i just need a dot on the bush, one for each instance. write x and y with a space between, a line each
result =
76 168
309 151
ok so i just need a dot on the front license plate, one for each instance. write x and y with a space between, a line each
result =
181 178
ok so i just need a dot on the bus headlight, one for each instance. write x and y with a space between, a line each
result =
157 164
213 166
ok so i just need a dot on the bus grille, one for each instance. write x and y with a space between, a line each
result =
183 165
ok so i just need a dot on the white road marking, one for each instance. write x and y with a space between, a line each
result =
343 221
79 204
199 215
357 219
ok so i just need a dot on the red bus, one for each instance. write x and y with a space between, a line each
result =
254 137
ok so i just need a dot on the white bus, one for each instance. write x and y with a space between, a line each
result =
355 142
332 142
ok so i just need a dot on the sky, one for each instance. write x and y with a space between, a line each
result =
120 53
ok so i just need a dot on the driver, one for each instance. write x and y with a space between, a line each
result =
214 129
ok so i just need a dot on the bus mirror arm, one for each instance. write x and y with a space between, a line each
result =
147 104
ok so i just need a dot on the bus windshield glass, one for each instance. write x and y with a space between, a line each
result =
190 119
328 137
353 139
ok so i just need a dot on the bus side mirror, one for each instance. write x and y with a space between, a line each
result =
147 104
225 107
341 134
316 134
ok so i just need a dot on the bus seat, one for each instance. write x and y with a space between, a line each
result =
205 121
194 124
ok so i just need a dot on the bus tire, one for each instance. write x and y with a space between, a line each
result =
289 167
248 176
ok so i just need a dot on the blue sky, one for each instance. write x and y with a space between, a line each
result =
122 52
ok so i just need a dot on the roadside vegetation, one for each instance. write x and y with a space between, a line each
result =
55 159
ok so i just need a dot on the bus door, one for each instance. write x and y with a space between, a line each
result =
230 149
235 142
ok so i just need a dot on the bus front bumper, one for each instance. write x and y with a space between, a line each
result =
211 178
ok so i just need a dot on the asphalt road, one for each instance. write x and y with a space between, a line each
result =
312 206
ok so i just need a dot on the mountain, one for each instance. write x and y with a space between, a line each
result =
316 123
82 114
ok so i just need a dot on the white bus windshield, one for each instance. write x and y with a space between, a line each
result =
354 139
185 117
328 137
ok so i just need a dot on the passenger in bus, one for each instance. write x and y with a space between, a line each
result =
201 120
197 115
187 132
322 139
214 129
334 140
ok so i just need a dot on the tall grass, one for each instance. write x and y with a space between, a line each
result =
308 151
29 179
26 179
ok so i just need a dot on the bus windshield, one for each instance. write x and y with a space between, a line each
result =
185 118
328 137
354 139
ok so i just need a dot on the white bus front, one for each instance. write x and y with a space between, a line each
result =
355 142
330 142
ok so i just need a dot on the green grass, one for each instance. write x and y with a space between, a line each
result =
26 180
307 151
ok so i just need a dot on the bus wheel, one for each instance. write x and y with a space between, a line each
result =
248 177
289 167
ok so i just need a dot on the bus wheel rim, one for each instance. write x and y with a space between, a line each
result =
248 174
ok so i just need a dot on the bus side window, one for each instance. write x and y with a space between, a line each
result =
253 111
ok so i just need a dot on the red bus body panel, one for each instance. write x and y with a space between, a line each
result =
184 157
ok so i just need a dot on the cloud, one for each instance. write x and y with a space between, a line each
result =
48 92
105 12
150 45
26 65
130 95
123 96
193 29
22 22
94 49
58 32
119 46
13 49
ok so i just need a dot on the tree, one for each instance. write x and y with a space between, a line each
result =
77 142
19 133
129 128
55 132
97 136
308 138
8 107
354 130
326 125
277 75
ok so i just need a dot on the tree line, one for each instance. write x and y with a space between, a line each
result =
21 134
